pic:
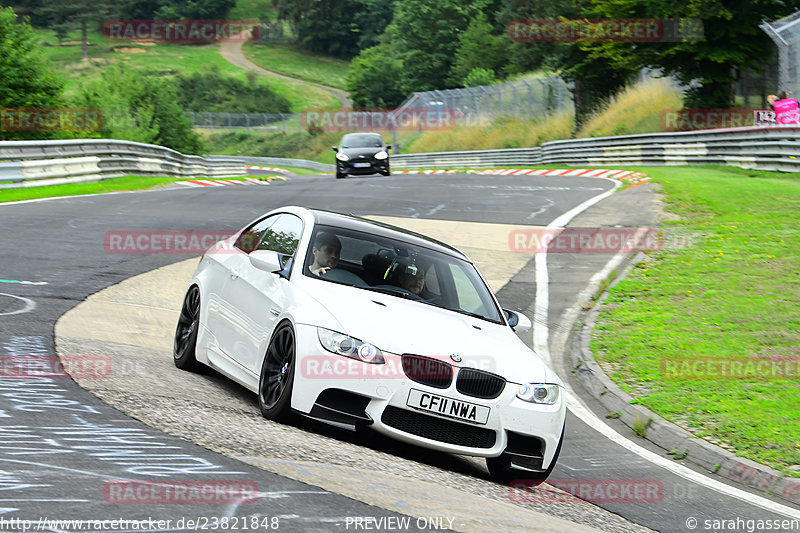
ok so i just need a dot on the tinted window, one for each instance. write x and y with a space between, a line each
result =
362 141
282 236
249 238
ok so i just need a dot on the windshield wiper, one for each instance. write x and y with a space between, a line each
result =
400 293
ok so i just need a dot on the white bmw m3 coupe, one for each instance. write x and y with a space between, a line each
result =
352 321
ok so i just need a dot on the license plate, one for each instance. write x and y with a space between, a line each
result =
449 407
361 165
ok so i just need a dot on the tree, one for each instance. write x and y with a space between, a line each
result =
732 41
25 81
479 49
65 15
374 78
479 76
425 33
138 106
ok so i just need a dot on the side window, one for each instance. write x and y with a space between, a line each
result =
249 238
468 298
283 236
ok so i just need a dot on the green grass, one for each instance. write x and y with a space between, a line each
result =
289 60
731 295
125 183
164 58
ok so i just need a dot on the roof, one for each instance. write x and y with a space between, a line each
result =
356 223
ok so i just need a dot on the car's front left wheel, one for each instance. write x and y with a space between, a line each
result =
501 469
277 376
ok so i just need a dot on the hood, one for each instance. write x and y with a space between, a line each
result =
355 152
400 326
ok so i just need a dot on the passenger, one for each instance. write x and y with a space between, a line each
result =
412 279
326 250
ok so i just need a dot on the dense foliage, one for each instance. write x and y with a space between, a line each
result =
25 80
210 91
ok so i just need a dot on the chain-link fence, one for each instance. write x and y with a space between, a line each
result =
264 122
785 33
525 98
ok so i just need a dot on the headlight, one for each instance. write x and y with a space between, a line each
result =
538 393
342 344
381 155
342 157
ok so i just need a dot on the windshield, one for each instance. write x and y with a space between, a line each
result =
362 141
400 269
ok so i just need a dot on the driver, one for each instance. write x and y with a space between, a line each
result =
326 250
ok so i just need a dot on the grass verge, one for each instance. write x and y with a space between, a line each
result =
668 331
289 60
125 183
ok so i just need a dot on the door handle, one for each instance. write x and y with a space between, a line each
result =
274 311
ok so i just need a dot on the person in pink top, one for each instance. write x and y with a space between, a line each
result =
786 109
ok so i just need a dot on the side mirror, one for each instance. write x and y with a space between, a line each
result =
266 260
335 148
518 322
388 146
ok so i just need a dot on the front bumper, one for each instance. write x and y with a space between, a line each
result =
385 389
371 166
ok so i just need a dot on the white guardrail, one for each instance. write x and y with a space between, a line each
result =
772 148
37 163
34 163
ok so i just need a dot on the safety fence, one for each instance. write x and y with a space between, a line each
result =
37 163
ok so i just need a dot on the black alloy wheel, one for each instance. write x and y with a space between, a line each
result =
277 375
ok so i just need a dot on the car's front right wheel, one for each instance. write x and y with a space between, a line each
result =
277 376
185 343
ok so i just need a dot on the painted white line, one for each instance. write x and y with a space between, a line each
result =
30 305
579 409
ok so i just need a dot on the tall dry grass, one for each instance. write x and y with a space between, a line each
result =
636 109
503 132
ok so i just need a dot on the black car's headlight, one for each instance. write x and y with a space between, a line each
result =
342 344
381 155
544 393
342 157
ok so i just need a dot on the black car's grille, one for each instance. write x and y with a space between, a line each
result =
428 371
479 384
438 429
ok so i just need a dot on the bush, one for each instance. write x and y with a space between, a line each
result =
140 107
374 80
210 91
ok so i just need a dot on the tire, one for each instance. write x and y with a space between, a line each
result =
387 172
277 376
185 343
501 470
340 175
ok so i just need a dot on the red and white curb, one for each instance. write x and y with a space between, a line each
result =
218 183
634 178
273 169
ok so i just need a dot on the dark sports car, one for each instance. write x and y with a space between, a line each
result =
362 153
